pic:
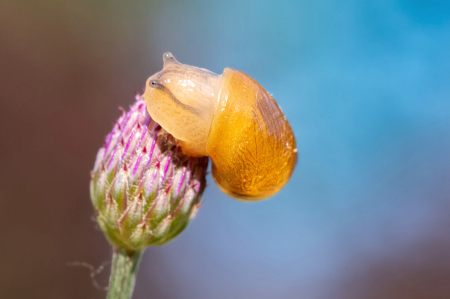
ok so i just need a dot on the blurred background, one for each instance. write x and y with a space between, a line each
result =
364 84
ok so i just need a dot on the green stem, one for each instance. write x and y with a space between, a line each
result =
123 274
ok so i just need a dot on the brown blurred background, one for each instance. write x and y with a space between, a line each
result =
65 68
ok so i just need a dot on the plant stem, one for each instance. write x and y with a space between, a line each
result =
123 274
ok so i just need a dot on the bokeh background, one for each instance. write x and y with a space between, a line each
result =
364 84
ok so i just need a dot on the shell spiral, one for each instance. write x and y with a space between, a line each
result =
250 143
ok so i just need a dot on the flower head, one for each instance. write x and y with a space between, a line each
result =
144 189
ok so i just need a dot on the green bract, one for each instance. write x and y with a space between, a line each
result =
144 189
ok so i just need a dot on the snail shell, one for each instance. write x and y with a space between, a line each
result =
229 118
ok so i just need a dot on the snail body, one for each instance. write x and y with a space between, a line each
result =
229 118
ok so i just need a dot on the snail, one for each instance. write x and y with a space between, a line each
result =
229 118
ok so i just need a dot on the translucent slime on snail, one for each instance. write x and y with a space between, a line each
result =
229 118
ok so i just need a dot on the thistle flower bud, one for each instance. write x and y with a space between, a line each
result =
144 189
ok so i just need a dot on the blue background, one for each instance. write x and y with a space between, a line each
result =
366 88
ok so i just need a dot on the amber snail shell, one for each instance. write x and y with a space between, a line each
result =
229 118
